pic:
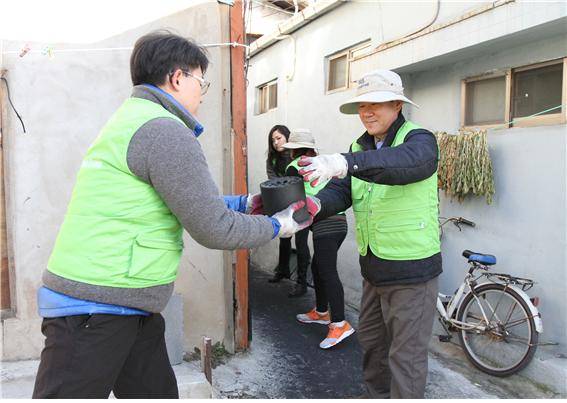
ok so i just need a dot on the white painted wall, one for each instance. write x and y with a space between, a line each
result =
525 226
264 18
507 19
64 102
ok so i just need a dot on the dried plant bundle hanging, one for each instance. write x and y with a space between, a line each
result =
465 167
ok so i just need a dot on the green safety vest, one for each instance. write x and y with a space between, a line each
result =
397 222
118 232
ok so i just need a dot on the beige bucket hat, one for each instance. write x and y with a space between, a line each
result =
377 86
300 138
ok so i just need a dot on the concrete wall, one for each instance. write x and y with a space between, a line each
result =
525 225
464 25
263 19
64 101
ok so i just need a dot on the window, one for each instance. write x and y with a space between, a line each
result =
267 97
338 67
523 96
536 90
338 73
485 100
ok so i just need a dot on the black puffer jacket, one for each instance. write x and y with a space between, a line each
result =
277 167
414 160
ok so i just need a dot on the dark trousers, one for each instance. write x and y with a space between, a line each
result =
88 356
303 255
328 287
395 325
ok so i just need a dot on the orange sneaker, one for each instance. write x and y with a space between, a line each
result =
314 317
336 335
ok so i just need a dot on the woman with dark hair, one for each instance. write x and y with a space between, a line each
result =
278 157
276 164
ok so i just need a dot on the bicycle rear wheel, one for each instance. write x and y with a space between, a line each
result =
503 339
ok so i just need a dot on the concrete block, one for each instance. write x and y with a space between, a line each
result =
191 382
195 390
548 370
545 371
22 339
173 315
17 379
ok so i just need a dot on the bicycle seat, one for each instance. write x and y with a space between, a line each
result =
482 258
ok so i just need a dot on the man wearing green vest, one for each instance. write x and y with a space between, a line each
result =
113 266
389 177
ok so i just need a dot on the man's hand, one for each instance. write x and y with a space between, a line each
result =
322 168
288 226
254 204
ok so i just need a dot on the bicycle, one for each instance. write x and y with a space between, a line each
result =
497 322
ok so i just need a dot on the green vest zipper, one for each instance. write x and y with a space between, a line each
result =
396 222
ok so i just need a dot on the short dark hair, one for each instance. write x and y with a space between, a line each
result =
160 53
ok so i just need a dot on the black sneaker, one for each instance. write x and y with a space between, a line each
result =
278 277
298 290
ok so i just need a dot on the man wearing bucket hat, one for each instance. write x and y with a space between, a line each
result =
389 177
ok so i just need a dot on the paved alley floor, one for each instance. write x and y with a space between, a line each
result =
284 360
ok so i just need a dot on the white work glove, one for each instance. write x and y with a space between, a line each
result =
288 226
322 168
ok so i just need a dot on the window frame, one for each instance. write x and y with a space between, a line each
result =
327 81
349 59
488 76
542 120
260 100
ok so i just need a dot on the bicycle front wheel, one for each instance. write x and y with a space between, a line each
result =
500 336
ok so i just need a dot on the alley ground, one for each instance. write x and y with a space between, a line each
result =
285 361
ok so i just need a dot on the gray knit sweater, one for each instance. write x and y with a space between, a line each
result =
166 154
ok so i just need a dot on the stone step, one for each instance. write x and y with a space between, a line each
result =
17 379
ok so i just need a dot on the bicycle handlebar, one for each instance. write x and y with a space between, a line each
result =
466 222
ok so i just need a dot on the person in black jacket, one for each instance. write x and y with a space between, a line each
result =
389 176
276 163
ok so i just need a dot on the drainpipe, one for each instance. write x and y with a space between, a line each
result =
289 77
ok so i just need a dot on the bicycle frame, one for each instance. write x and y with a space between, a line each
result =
454 303
456 300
